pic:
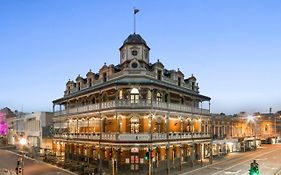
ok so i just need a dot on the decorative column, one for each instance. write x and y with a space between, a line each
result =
168 145
181 156
192 154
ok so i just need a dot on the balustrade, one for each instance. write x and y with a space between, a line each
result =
133 104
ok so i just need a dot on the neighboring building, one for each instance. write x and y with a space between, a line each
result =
223 129
6 124
269 128
126 111
34 127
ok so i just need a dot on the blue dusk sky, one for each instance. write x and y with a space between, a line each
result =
233 47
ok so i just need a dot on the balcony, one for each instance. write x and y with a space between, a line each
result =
133 137
131 105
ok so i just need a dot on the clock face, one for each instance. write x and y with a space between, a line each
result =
134 52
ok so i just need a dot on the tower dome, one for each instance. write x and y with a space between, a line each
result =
134 39
134 47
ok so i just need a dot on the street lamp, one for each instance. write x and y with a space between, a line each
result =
22 142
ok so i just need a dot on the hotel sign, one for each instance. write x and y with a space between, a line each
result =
134 137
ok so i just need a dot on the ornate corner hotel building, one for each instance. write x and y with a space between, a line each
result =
134 116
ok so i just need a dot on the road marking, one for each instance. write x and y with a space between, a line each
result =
232 172
245 161
185 173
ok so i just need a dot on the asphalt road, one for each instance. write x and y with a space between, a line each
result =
268 157
8 160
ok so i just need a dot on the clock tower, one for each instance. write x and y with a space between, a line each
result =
134 48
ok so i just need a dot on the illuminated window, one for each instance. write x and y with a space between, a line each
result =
159 97
135 95
148 95
135 125
121 94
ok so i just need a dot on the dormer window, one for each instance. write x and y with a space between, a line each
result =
90 82
159 75
79 86
193 86
179 81
68 89
104 77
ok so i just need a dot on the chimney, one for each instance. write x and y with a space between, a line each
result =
270 110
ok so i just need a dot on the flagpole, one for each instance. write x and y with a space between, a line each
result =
135 12
134 21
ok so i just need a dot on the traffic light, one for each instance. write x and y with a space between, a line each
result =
254 169
146 156
19 168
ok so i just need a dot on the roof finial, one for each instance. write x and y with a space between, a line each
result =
135 12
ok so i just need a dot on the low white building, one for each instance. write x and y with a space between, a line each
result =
33 127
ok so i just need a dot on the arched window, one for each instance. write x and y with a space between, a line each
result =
104 97
135 126
149 95
135 95
93 100
188 128
166 98
159 97
120 95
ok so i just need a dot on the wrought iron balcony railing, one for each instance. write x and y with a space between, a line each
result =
133 104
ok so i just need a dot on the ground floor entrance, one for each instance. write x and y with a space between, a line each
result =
135 158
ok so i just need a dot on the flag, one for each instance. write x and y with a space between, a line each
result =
136 11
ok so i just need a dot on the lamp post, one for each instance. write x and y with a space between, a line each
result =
22 143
